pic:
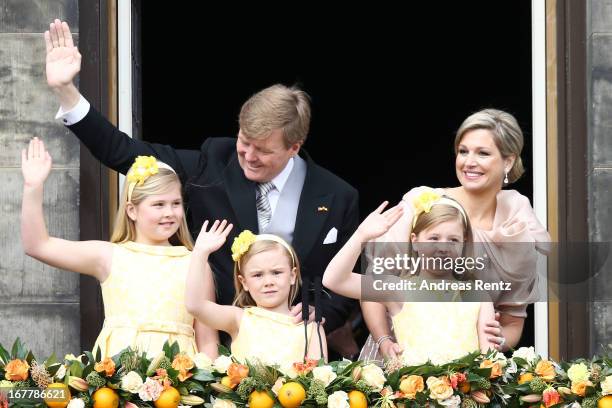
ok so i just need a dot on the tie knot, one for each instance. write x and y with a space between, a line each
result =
265 188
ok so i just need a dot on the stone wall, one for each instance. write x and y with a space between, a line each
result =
599 83
38 303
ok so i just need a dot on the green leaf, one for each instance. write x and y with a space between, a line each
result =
98 355
53 368
194 386
203 375
76 370
29 357
167 350
5 357
175 350
223 351
51 360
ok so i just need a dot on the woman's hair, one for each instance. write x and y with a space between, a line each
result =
243 298
438 214
160 183
506 132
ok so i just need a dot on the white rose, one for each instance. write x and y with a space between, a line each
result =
202 361
606 386
452 402
61 372
131 382
338 399
223 403
325 374
76 403
222 363
289 371
373 376
526 353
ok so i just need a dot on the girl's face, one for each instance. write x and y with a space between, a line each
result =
268 277
158 217
479 163
442 240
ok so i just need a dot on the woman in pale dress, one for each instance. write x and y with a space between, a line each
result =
487 146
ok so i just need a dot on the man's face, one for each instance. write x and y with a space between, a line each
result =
263 159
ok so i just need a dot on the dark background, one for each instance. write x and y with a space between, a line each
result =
389 86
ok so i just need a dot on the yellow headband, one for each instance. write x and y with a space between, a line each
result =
427 199
143 168
243 242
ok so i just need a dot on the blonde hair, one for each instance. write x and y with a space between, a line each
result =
160 183
506 132
277 107
439 213
243 298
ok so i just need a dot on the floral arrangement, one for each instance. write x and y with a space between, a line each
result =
173 379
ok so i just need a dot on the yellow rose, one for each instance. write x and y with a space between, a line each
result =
439 388
241 244
411 385
525 378
578 372
16 370
546 370
496 370
579 387
183 363
106 366
606 386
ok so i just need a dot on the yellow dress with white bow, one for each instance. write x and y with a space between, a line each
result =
144 300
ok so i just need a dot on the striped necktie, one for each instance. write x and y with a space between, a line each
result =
264 210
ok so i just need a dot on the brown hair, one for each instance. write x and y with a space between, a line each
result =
277 107
160 183
243 298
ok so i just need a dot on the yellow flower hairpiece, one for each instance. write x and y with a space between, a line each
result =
242 243
427 199
143 168
424 201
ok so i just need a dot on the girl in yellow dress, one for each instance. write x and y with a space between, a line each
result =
266 279
142 270
439 331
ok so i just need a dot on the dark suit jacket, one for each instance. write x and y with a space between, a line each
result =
216 188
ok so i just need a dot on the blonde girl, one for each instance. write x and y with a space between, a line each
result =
142 270
427 330
266 279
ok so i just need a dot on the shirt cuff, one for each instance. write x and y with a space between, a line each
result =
75 114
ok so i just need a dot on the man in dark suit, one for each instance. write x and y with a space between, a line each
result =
262 181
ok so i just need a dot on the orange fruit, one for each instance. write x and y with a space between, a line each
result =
605 402
260 399
291 395
57 399
105 398
524 378
357 399
169 398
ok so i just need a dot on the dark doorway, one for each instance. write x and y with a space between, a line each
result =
389 87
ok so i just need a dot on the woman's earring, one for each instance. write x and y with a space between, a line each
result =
506 178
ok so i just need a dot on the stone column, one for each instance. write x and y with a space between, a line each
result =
38 303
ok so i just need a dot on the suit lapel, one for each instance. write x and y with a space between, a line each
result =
241 193
312 212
